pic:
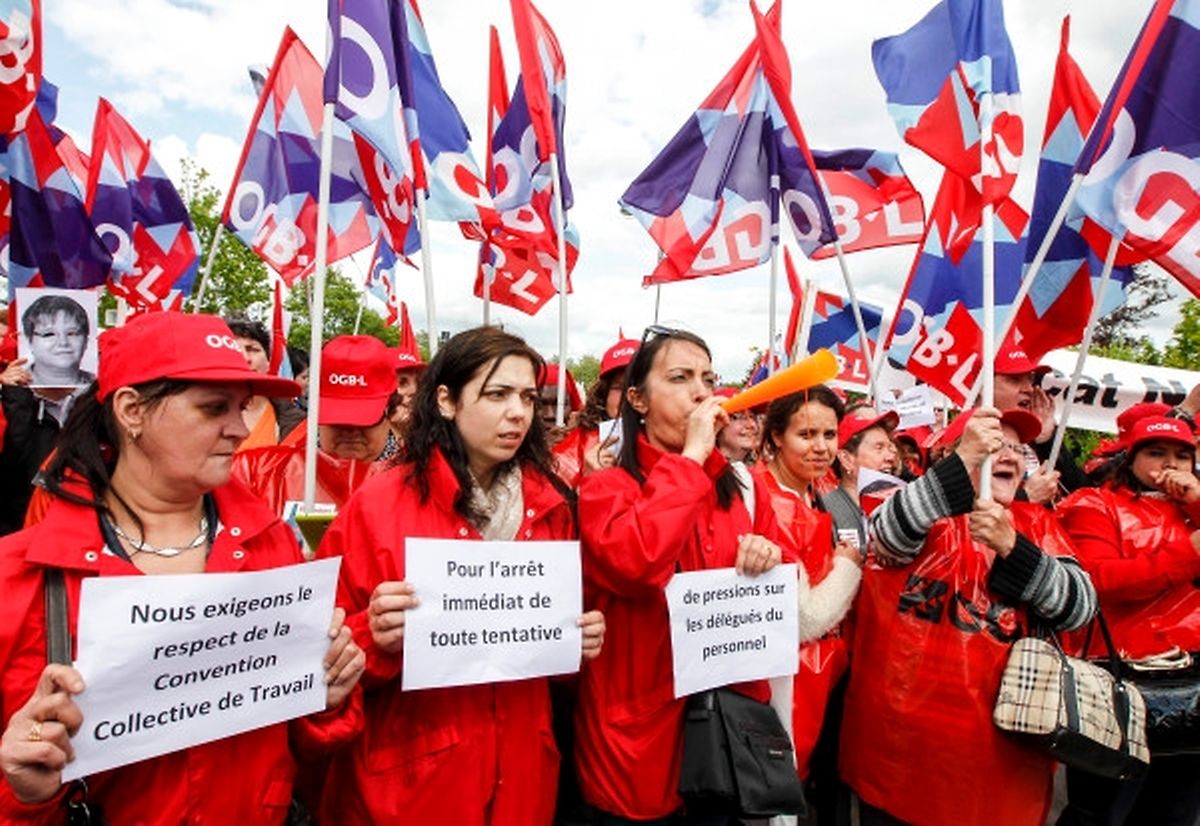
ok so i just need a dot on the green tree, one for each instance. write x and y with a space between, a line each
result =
585 369
341 310
1148 293
238 283
1183 348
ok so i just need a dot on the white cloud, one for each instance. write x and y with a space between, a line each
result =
636 70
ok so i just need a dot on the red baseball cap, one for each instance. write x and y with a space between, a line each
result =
358 377
406 360
852 425
1152 428
726 392
1135 413
549 378
1012 361
619 355
1027 425
185 346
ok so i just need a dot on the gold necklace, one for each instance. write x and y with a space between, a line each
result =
142 546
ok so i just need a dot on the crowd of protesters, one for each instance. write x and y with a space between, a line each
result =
185 456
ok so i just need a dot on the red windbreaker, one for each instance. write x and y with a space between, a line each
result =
242 779
277 474
629 726
469 755
1138 550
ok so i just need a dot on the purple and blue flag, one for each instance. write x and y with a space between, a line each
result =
1142 160
939 77
139 215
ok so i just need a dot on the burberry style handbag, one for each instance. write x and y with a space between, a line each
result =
1076 710
737 759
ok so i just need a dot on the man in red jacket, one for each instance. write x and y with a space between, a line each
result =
358 379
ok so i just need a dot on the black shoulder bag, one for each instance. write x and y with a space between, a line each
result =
738 759
81 811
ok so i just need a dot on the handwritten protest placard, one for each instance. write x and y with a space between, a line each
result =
727 628
173 661
491 611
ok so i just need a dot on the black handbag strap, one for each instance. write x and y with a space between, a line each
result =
58 629
1122 705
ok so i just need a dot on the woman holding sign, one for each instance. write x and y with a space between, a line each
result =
140 484
476 466
672 504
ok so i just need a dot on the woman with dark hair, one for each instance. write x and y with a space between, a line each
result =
672 504
475 465
800 435
141 486
1137 536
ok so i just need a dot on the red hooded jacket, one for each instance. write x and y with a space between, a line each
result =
1138 550
629 726
469 755
246 778
277 474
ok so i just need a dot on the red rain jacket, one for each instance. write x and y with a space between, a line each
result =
1138 550
467 755
242 779
277 474
629 726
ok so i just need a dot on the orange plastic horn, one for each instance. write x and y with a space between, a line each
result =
821 366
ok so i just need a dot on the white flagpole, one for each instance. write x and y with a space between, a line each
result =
1069 398
317 314
657 300
987 364
427 271
1035 267
806 317
771 301
864 342
560 221
198 298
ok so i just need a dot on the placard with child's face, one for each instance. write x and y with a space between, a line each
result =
57 335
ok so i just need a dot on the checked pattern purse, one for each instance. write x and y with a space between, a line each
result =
1074 709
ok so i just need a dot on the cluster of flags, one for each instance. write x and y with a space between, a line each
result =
79 221
1114 182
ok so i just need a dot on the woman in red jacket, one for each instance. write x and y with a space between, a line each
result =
149 449
672 504
801 439
475 466
1137 536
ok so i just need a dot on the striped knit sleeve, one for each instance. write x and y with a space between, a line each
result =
901 523
1054 587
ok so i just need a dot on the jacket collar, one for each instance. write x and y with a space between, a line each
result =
648 456
539 495
69 536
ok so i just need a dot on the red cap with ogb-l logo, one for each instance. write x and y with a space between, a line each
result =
185 346
358 377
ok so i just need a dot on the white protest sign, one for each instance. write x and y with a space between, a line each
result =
727 628
914 406
173 661
491 611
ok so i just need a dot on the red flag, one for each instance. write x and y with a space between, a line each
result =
21 61
408 352
794 286
497 99
543 69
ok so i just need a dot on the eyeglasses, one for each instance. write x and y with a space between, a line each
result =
656 330
1015 447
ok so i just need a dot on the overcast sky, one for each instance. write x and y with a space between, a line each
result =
636 69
